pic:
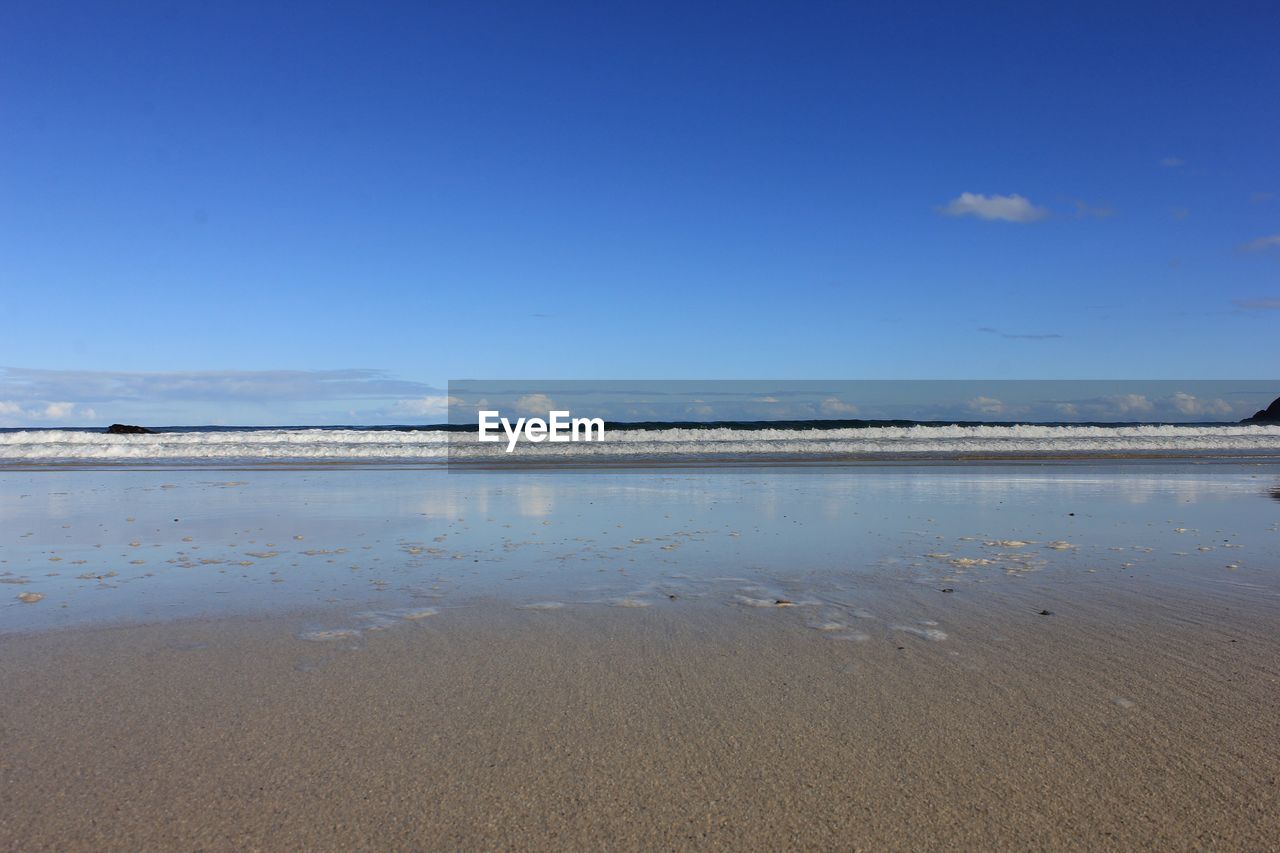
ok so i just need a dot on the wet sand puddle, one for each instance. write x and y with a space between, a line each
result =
805 544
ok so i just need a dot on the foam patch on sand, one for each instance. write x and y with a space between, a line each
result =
329 635
851 637
935 635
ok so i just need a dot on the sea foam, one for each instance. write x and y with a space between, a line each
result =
428 446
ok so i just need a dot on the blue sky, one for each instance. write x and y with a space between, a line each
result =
221 196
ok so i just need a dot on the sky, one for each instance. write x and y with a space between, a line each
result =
322 212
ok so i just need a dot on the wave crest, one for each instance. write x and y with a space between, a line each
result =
679 443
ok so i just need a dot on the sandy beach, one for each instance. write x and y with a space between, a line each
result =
1134 722
1044 656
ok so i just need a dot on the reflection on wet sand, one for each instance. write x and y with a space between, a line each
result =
389 541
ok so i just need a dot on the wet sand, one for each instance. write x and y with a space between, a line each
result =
1008 657
1116 721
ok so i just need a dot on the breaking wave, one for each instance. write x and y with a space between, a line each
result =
673 444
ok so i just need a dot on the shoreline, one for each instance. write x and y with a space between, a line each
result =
705 463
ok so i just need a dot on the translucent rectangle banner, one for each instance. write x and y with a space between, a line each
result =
582 423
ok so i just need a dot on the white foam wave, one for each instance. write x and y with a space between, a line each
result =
429 446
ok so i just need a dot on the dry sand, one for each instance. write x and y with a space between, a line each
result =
1116 724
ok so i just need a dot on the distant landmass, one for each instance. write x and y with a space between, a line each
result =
1269 415
128 429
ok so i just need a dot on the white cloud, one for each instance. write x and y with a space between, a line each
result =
1173 162
1189 405
206 385
13 413
1266 303
1271 241
432 404
836 406
986 406
202 396
1129 404
1007 208
1175 407
534 404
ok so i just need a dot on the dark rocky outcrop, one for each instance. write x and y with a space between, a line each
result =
1269 415
128 429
